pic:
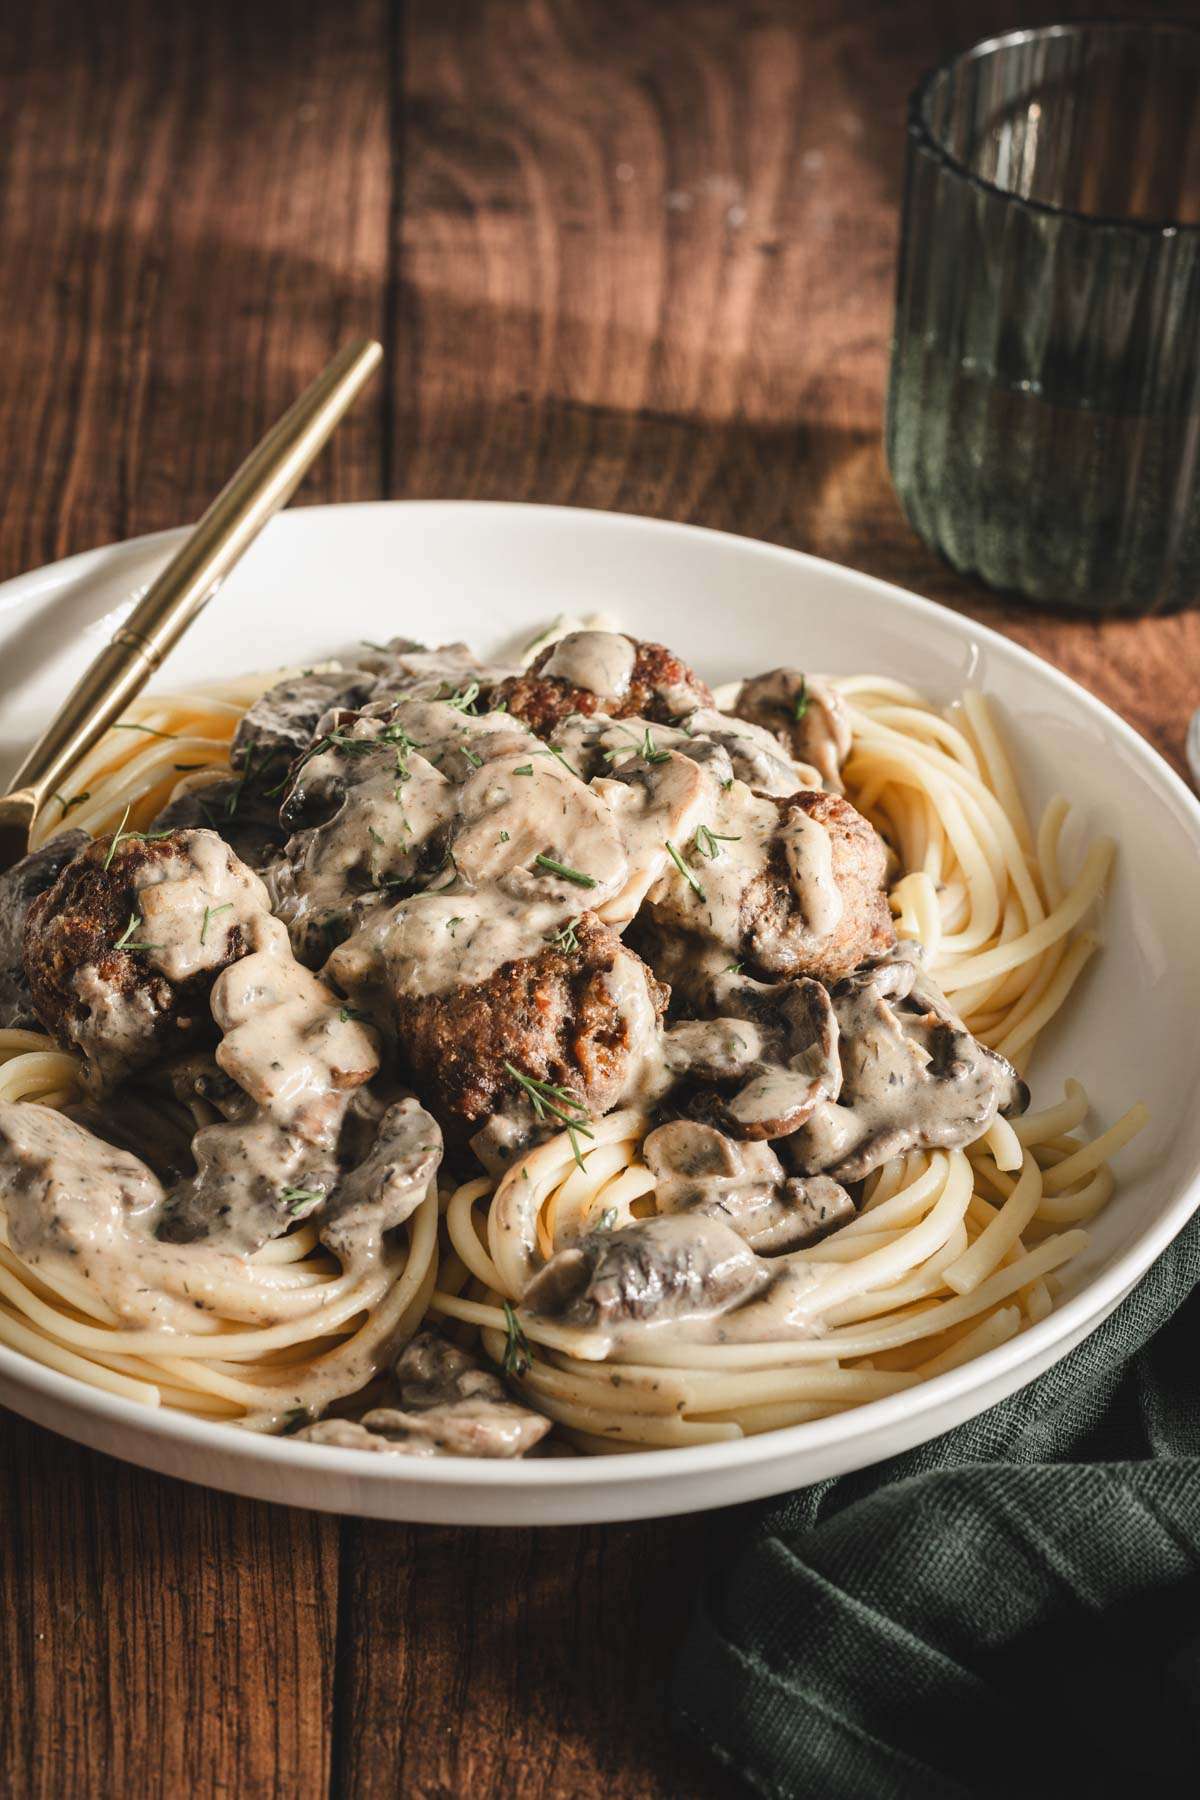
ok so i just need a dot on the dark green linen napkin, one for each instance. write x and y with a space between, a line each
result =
1012 1609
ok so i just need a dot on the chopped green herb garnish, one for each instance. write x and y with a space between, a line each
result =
525 769
127 941
503 838
453 924
68 804
295 1421
462 699
607 1219
128 725
352 1013
121 836
803 700
551 1101
382 648
535 643
301 1200
549 750
516 1351
566 871
708 842
476 762
211 912
733 969
650 751
687 873
565 940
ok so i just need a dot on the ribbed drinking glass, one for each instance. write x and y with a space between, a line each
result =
1044 406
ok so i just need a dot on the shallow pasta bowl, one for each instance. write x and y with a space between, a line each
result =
493 574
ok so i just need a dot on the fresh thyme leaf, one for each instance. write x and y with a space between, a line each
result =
687 873
708 842
211 912
803 700
517 1359
566 871
300 1200
127 941
565 940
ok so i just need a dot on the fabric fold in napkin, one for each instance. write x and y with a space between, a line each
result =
1013 1608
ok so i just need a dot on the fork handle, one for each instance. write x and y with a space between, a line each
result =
265 482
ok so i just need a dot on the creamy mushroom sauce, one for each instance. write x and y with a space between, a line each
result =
432 843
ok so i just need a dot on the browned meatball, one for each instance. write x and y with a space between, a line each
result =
121 952
657 686
761 920
581 1019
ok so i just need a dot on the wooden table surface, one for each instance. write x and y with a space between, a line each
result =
623 255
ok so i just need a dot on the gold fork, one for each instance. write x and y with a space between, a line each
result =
266 481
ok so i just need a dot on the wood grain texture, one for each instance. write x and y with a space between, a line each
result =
622 255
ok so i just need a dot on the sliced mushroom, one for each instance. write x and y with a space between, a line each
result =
913 1077
780 1047
445 1405
697 1169
679 1266
805 714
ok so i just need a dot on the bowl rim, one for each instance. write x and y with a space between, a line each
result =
1081 1313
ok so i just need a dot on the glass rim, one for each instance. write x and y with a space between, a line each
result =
919 127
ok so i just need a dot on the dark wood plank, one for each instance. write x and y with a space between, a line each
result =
647 263
194 206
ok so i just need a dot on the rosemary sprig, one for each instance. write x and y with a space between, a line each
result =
517 1359
708 842
127 941
211 912
687 873
121 836
300 1200
551 1101
550 750
803 700
128 725
566 871
565 940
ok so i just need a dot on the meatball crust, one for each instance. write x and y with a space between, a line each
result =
562 1016
93 984
661 688
776 936
764 927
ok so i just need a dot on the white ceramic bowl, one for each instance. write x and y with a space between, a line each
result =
323 576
